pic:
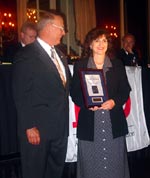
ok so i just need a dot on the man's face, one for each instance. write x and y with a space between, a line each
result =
56 31
128 43
29 36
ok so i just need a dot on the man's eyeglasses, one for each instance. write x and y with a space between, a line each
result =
60 27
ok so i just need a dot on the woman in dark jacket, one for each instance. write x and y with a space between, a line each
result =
101 129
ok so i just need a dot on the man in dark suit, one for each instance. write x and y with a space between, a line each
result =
42 101
127 53
28 33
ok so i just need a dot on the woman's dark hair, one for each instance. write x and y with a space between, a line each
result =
93 35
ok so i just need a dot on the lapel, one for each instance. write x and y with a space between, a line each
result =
44 57
112 79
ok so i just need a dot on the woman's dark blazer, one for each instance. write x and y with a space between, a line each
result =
118 89
40 97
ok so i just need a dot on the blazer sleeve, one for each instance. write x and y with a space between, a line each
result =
118 85
76 91
22 84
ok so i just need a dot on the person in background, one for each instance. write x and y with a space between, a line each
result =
101 129
41 99
28 34
127 53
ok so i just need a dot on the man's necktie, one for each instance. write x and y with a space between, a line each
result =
55 60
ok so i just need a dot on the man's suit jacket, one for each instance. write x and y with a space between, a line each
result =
10 52
40 97
128 59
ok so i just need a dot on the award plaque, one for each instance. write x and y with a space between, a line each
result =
93 87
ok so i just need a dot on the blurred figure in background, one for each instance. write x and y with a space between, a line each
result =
127 53
28 33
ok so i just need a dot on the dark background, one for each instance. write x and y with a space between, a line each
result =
108 12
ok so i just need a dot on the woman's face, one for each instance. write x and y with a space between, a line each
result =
99 46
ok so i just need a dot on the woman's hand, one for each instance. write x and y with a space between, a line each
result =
107 105
95 108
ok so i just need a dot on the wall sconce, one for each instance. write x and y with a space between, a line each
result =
113 30
7 29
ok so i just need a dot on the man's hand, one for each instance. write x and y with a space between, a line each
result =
33 136
129 49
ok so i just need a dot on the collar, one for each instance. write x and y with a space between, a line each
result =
45 46
22 44
107 62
